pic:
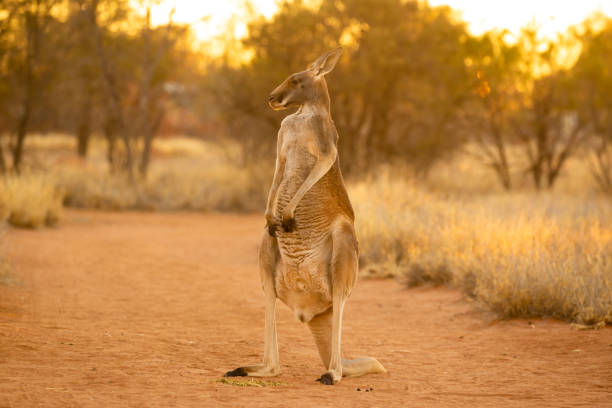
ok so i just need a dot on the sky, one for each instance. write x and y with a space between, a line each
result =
552 16
209 17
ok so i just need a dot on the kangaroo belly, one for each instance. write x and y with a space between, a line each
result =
305 288
303 276
302 279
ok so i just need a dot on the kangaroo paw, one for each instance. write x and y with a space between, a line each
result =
238 372
289 225
328 379
272 228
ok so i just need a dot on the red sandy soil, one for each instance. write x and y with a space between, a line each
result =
132 309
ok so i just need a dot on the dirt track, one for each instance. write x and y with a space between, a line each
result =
149 310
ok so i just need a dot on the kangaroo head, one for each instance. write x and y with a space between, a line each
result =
305 86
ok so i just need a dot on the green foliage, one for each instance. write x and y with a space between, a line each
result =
251 382
395 92
593 78
412 87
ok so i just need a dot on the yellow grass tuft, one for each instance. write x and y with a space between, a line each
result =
30 200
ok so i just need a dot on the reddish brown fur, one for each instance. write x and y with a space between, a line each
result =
309 253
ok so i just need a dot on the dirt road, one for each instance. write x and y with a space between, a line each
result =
131 309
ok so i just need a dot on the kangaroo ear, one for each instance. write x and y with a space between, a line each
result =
326 62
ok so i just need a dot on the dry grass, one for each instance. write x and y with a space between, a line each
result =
185 174
30 200
520 254
222 188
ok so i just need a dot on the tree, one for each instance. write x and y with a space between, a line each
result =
495 66
30 67
395 93
548 125
81 76
134 85
527 100
593 84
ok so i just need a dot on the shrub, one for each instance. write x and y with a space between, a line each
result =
30 200
519 254
168 188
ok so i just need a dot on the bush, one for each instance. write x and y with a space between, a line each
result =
30 200
519 254
168 188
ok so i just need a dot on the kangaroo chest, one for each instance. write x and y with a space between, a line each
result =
313 217
315 211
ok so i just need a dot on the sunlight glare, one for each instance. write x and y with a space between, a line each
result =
209 18
550 16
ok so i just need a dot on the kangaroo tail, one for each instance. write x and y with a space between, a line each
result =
361 366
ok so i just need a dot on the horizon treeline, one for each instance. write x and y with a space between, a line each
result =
413 87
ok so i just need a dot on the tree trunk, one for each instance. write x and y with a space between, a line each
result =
31 51
536 175
111 139
84 128
2 163
504 177
502 166
148 143
537 167
22 129
114 99
499 157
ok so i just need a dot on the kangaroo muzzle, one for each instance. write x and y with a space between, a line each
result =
276 101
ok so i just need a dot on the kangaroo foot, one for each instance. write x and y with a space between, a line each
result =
238 372
330 378
253 371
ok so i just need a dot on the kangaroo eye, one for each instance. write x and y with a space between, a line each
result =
294 82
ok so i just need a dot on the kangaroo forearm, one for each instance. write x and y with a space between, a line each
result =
272 199
318 171
273 194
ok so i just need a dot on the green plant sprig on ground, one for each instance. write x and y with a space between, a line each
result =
249 383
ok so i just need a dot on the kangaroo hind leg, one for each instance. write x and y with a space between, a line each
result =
343 276
321 329
326 328
269 257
